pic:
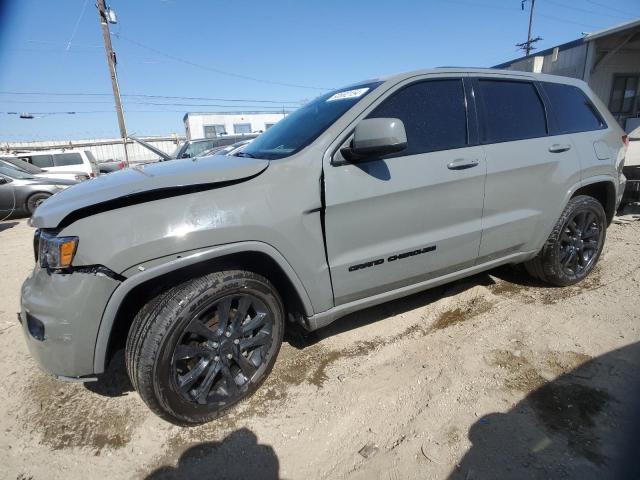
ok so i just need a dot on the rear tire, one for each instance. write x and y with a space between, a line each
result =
197 349
574 246
35 200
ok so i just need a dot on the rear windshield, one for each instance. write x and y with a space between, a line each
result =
14 173
300 128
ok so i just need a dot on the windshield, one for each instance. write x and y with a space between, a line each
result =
14 173
300 128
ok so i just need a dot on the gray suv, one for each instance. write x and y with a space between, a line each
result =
366 194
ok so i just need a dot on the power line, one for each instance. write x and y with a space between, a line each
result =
169 97
81 112
513 9
608 7
217 70
578 9
157 104
75 27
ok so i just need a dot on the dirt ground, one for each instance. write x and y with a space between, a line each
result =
496 376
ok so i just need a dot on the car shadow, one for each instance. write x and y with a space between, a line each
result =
7 225
239 455
584 424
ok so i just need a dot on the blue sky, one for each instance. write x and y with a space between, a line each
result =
181 47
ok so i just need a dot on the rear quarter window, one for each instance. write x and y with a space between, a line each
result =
572 110
42 161
65 159
513 110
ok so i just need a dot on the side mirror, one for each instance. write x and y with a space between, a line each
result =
375 137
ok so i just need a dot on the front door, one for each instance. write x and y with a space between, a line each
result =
410 216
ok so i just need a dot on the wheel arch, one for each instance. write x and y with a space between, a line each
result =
131 294
31 194
603 190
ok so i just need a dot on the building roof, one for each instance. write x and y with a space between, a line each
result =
574 43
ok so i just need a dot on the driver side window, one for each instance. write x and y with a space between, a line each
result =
433 112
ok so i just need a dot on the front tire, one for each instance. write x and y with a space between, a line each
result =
199 348
34 201
574 246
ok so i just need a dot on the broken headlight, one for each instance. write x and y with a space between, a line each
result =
56 252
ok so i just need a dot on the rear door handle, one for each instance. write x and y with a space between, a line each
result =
558 148
462 164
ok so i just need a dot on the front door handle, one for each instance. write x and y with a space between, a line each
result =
462 164
558 148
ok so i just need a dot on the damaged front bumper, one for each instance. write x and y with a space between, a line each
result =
60 317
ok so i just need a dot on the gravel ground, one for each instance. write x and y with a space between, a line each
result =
496 376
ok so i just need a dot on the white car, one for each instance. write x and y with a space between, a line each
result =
22 165
633 152
63 161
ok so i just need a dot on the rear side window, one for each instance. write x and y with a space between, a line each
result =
65 159
512 111
42 161
572 110
433 113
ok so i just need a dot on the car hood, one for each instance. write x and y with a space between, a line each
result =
144 183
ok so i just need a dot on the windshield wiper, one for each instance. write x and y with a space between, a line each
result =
244 154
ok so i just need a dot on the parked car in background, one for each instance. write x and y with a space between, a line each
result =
63 161
22 192
228 150
23 166
111 166
192 148
632 167
366 194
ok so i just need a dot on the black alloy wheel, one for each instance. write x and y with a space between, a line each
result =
222 348
579 242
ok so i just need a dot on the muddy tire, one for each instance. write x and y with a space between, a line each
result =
574 246
199 348
34 201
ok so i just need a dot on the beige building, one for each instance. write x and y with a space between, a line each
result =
608 60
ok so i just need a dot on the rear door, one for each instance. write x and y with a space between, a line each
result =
71 162
529 170
414 215
597 146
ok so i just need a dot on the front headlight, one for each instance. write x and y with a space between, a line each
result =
56 252
82 178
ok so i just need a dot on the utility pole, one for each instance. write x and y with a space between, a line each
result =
106 17
528 45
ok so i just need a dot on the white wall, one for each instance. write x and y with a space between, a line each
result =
195 122
103 149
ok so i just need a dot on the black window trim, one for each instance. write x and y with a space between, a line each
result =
469 104
554 122
481 109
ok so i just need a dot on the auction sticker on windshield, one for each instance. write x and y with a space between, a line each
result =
358 92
